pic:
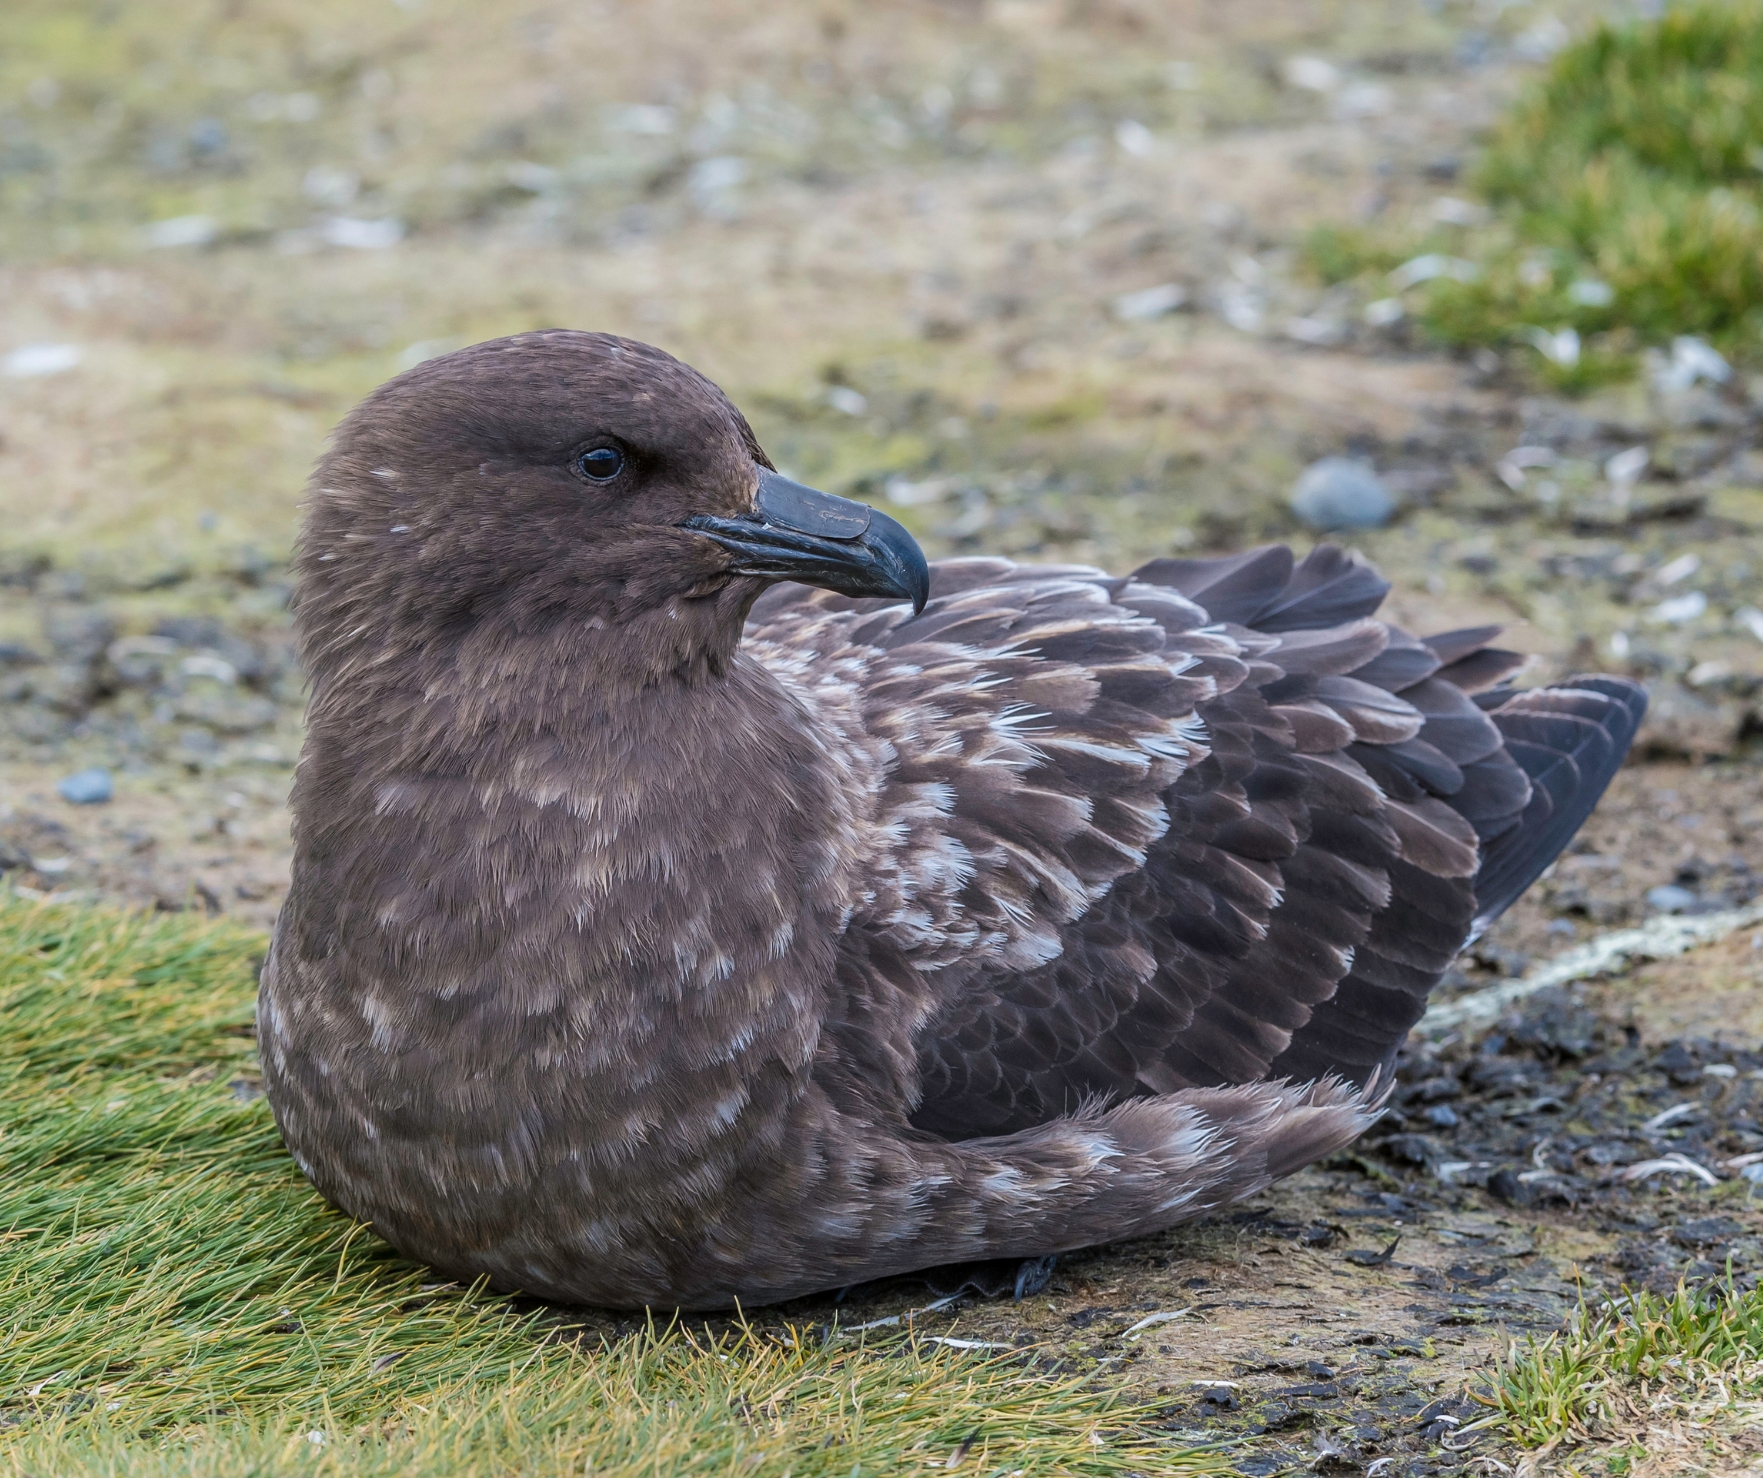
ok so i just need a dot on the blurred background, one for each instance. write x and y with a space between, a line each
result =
1474 283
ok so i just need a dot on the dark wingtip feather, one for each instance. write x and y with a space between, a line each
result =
1453 646
1332 585
1483 669
1570 739
1264 588
1233 588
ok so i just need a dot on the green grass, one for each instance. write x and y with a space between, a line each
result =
175 1299
1627 196
1597 1380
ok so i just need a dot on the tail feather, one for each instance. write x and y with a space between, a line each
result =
1151 1163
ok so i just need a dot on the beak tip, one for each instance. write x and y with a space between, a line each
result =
800 533
916 570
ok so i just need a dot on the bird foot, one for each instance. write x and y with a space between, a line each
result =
1017 1278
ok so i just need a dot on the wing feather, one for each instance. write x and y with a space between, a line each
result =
1197 826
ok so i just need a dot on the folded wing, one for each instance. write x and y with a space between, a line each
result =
1201 825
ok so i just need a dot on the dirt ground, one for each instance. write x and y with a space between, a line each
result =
903 237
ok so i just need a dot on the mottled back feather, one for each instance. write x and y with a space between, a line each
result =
1199 826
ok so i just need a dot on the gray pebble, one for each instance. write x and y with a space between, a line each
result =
1341 493
1669 898
79 636
1150 302
198 744
86 787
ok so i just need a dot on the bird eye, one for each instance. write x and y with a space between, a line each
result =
602 464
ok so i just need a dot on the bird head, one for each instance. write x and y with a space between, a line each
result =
573 471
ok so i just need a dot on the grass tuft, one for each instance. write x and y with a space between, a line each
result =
1606 1376
1627 195
175 1299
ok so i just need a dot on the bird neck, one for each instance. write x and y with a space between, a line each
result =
634 823
515 660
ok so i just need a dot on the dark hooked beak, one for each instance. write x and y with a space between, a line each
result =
800 533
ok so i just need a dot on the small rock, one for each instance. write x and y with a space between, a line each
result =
1691 360
1365 1258
330 185
1560 347
1134 138
1504 1185
1341 493
1453 211
1316 1391
34 361
1686 723
79 636
1413 1149
1322 329
208 136
190 631
1678 1063
1442 1116
206 664
1150 302
86 787
1609 1154
361 235
1626 467
1669 898
227 715
198 744
1707 1231
1680 609
1363 100
181 231
1310 73
1428 268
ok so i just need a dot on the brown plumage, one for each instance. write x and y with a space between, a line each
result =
663 933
